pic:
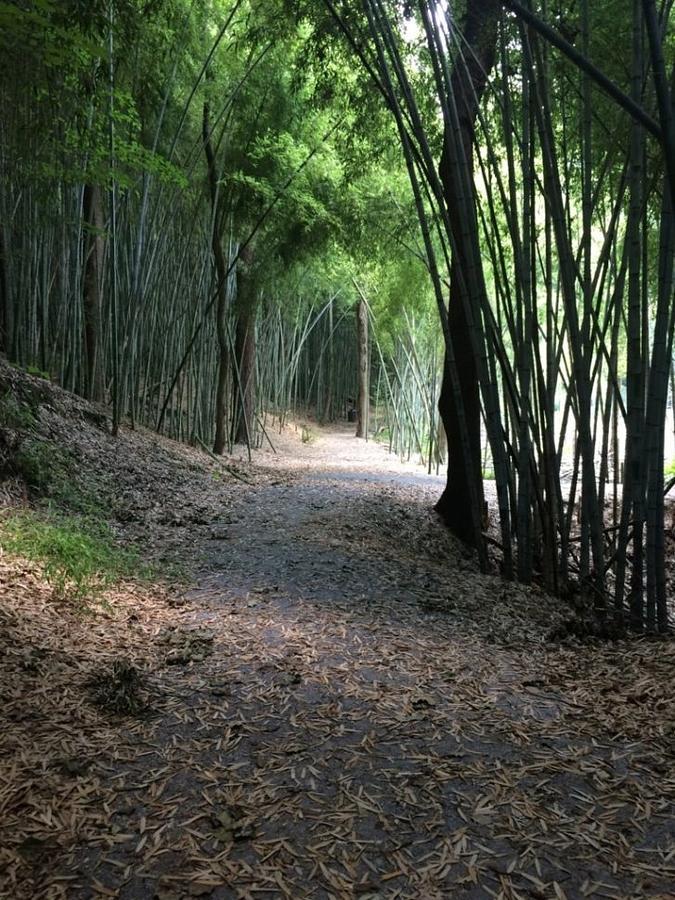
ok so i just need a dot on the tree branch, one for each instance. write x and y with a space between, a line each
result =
607 85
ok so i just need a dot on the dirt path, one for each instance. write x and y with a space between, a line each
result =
343 707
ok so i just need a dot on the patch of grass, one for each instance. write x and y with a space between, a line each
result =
118 688
78 497
51 474
31 370
79 557
41 464
15 413
670 468
38 373
308 436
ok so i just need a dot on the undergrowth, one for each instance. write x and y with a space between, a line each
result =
79 557
15 413
51 474
65 529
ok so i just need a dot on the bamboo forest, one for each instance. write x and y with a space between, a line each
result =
337 449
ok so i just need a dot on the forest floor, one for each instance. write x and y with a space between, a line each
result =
333 701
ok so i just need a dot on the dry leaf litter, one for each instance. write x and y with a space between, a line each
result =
338 705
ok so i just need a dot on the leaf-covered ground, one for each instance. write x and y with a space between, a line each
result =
336 704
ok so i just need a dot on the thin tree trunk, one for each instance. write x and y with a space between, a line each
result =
112 261
363 404
633 486
222 268
329 408
94 248
6 311
244 394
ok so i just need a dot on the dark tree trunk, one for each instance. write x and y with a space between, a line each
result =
221 267
220 440
244 399
328 413
363 404
92 214
469 80
6 311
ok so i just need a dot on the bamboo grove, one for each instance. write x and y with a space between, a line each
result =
131 237
565 237
490 184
